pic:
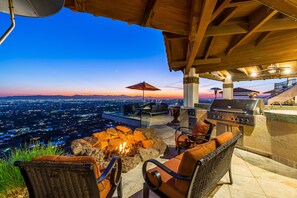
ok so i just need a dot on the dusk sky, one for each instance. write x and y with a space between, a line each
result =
74 53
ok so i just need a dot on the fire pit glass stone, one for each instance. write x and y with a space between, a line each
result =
133 146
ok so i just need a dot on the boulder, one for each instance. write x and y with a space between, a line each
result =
150 153
80 146
92 140
130 162
160 145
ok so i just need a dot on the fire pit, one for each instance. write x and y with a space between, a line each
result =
133 146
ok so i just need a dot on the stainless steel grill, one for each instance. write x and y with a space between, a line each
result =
239 111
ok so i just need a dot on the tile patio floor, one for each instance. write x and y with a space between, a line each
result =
254 176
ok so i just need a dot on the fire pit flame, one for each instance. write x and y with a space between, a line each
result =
122 149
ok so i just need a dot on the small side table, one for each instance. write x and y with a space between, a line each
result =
175 112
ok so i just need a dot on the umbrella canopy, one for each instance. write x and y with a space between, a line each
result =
144 87
216 89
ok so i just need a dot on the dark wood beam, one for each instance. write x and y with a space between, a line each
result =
220 9
196 62
204 18
262 37
243 28
168 50
243 70
151 5
263 77
288 8
261 16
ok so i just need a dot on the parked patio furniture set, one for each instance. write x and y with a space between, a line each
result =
193 173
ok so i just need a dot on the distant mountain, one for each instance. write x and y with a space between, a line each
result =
84 97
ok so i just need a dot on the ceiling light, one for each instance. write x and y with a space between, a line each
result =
228 77
272 71
253 74
287 71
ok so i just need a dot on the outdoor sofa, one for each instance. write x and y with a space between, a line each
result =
194 173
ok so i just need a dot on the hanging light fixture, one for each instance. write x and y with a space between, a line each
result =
28 8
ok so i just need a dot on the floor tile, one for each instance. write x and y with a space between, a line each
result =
244 194
247 184
279 189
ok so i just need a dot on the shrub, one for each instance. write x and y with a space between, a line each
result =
10 176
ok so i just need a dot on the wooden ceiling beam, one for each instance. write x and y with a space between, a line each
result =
240 3
273 25
243 70
246 63
263 77
203 21
210 76
150 7
262 38
288 8
220 9
261 16
196 62
221 74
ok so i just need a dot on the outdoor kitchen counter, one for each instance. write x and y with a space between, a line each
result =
275 134
289 116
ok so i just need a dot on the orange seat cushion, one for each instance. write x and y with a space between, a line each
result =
188 162
103 186
223 138
180 156
167 186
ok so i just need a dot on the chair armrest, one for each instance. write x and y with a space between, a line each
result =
185 130
111 170
158 175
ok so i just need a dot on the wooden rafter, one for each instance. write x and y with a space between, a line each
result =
261 16
220 73
243 28
243 70
262 37
220 9
168 52
196 62
223 19
203 21
287 7
210 76
151 5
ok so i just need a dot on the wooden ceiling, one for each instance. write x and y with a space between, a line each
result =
238 38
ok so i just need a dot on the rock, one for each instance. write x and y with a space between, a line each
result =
130 162
148 132
112 131
150 153
92 140
160 145
80 146
99 155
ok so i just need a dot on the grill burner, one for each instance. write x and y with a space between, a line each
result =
237 111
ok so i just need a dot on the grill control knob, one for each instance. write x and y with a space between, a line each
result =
246 120
237 119
232 118
222 117
241 120
218 116
213 116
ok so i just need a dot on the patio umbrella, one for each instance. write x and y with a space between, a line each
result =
216 89
144 87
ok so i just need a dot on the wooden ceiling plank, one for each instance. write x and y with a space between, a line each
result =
223 19
262 38
262 15
272 25
150 7
203 21
240 3
288 8
197 62
220 9
249 78
220 73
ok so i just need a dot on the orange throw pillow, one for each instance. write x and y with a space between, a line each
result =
188 162
223 138
200 128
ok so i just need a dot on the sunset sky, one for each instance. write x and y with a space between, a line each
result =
73 53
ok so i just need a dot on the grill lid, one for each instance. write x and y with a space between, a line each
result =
240 106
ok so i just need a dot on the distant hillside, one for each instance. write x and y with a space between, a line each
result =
84 97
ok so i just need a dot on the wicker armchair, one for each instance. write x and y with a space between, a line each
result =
188 137
194 173
71 176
